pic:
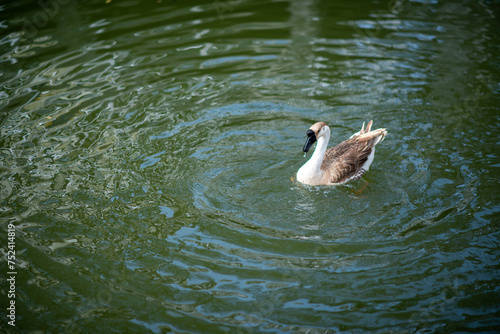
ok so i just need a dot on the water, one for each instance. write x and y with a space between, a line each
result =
149 151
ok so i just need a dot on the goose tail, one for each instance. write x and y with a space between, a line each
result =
367 133
368 127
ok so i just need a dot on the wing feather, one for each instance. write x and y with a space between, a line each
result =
347 158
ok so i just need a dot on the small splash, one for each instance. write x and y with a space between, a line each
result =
305 154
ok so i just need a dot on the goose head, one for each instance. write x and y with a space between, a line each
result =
316 131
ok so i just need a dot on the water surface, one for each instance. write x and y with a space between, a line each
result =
149 151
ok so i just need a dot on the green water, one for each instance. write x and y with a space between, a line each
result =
148 151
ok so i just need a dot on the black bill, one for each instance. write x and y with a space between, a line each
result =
311 139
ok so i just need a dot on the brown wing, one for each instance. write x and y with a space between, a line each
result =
346 159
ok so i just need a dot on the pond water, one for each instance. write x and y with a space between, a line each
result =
149 150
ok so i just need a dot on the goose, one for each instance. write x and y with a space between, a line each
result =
347 161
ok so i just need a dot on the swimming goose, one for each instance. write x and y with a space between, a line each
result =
347 161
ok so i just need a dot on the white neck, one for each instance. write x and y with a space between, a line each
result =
311 172
319 152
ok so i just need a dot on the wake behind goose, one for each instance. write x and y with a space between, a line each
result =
347 161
